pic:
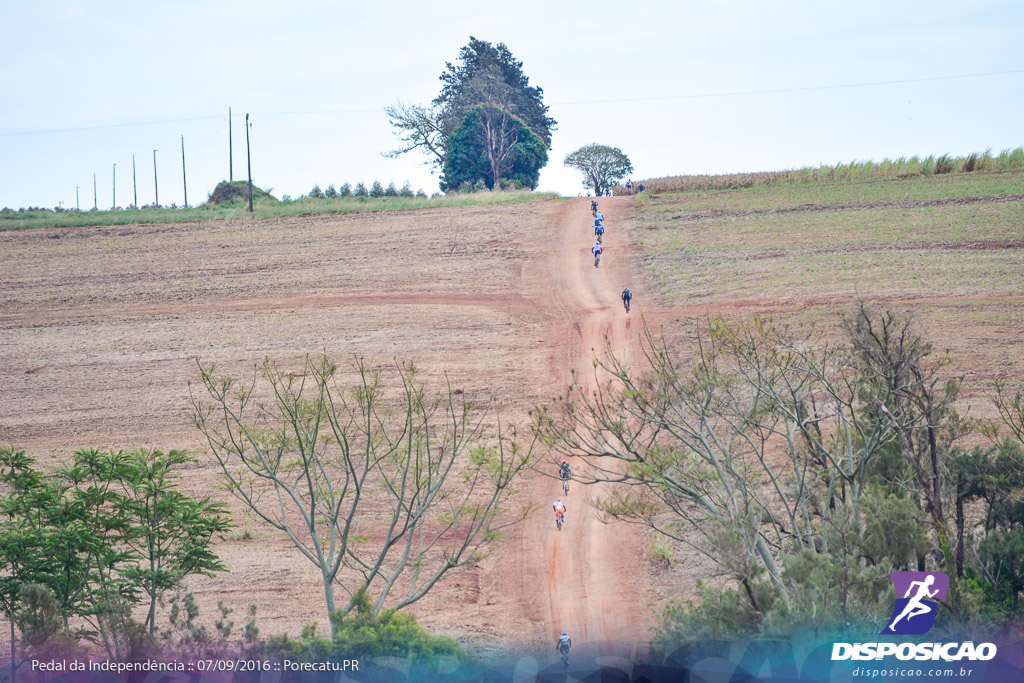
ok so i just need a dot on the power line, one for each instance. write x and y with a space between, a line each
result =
184 120
738 93
108 125
789 90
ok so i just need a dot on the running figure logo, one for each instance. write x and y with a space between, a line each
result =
914 613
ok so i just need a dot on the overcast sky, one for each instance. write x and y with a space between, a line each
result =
681 87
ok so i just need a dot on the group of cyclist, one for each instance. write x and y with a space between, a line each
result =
565 474
598 248
598 232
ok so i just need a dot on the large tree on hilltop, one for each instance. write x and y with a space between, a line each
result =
486 75
492 145
489 74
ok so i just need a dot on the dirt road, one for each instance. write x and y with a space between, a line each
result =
587 579
591 563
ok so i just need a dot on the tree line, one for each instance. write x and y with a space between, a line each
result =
375 190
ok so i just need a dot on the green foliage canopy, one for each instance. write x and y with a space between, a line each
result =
493 145
486 76
489 74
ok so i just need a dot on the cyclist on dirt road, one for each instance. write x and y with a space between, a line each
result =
599 231
627 296
597 249
593 206
563 646
564 472
559 507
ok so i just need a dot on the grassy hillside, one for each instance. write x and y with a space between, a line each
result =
268 207
948 247
928 236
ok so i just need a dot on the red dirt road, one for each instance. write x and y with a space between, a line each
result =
594 588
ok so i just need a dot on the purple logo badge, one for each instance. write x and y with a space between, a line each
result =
916 593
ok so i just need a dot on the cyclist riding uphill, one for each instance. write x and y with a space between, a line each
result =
598 218
563 646
598 230
559 507
596 248
627 296
563 471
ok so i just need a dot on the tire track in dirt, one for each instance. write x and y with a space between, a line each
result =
507 302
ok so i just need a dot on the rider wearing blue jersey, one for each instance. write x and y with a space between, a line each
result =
563 646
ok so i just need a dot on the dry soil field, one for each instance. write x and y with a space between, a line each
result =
100 329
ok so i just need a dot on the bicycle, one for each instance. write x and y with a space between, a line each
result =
565 658
597 258
559 520
565 486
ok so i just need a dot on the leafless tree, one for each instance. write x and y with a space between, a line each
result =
387 493
418 127
743 453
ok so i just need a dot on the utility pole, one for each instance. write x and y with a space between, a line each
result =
77 208
183 179
114 198
231 159
135 187
156 188
95 202
248 158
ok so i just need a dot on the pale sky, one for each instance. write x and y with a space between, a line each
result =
681 87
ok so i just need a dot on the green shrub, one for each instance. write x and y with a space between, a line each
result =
363 634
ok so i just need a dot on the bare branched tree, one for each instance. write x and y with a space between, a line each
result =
378 492
418 127
910 391
742 454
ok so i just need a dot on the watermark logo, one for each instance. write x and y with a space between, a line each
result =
914 613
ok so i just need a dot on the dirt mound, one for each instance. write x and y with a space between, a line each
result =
237 193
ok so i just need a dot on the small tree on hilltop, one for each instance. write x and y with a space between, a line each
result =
602 166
